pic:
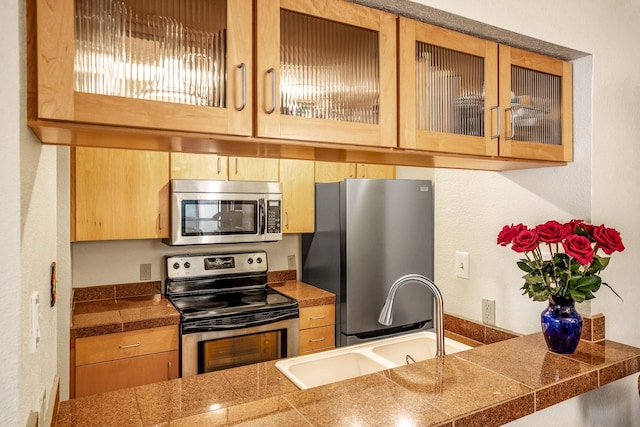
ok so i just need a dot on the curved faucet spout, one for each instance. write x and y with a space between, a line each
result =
386 314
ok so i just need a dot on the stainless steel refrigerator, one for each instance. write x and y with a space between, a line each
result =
368 233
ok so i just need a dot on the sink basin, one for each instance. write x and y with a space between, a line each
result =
325 369
419 347
353 361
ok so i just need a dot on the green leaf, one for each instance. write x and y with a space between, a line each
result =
524 266
603 261
587 283
577 295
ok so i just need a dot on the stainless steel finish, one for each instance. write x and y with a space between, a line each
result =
510 110
272 71
243 104
219 164
386 314
369 232
211 265
129 346
263 193
497 108
169 366
214 186
190 341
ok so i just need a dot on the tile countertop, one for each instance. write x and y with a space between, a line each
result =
488 385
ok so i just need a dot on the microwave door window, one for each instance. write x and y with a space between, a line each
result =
219 217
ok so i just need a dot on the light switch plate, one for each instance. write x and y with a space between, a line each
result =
462 265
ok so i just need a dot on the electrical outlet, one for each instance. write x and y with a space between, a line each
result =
462 264
488 311
145 271
291 262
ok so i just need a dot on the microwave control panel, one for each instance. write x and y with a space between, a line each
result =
274 213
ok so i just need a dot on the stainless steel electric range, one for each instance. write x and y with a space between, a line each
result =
229 316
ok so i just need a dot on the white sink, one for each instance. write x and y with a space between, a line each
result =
353 361
419 347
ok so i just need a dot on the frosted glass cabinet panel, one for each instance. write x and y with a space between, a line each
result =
326 72
536 97
448 90
183 65
459 94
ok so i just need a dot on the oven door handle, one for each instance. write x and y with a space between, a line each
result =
262 216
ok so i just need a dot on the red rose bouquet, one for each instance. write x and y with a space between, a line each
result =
572 267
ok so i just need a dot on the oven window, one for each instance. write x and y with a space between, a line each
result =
241 350
219 217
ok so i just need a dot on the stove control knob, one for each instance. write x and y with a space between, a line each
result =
176 266
187 264
250 261
259 260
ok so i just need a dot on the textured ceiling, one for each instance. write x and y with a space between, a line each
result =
440 18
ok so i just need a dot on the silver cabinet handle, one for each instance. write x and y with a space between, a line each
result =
364 171
272 71
219 165
511 122
236 166
243 67
497 135
129 346
286 219
317 339
169 366
160 220
351 166
317 318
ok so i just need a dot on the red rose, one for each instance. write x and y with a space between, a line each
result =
578 247
525 241
608 239
570 227
551 231
507 233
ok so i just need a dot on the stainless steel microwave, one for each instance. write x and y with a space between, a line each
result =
207 212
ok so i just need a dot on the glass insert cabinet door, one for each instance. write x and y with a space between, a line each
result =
460 94
536 98
448 91
161 64
326 72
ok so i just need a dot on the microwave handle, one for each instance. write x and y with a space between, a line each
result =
262 216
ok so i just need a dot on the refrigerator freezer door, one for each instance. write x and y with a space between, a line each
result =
387 232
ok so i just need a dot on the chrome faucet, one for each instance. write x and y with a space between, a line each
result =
386 314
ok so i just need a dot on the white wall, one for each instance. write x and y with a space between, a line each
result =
10 306
29 237
118 261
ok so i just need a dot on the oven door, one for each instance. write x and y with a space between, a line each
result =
207 218
203 352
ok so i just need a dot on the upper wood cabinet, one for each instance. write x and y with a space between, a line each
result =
186 68
335 171
253 169
298 201
119 194
325 71
199 166
463 95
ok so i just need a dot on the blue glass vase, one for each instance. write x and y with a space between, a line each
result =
561 325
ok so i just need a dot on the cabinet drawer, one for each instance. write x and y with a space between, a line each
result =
321 315
103 348
317 338
132 372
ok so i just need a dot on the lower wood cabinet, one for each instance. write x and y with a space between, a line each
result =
317 328
128 359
